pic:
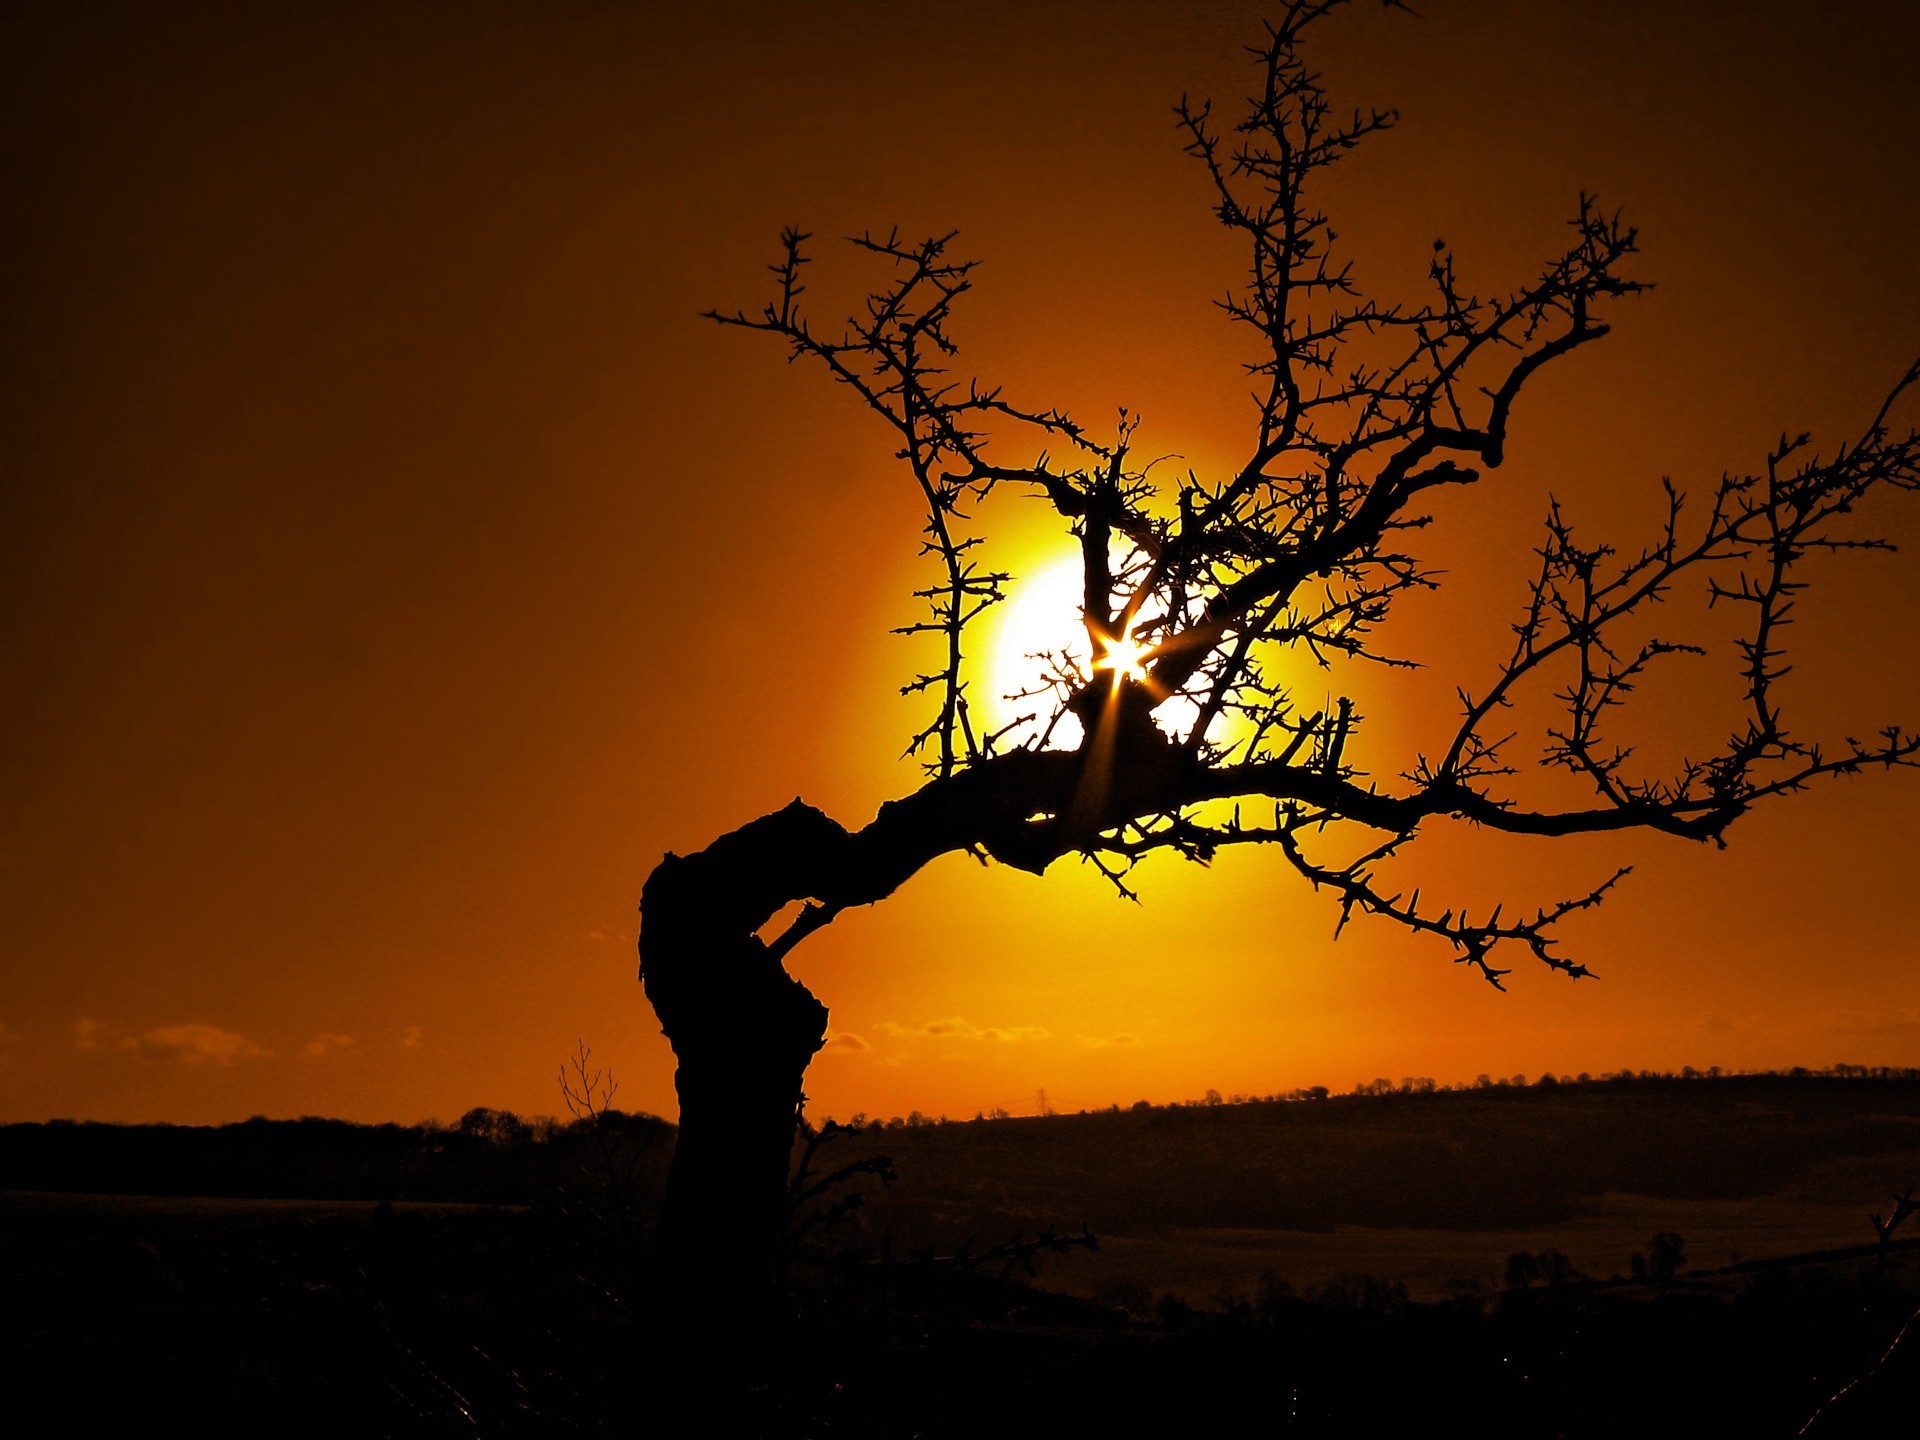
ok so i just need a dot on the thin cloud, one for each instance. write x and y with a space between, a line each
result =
846 1040
87 1034
322 1044
1867 1023
194 1045
958 1027
1100 1042
411 1037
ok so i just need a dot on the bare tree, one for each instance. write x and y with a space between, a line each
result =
1368 417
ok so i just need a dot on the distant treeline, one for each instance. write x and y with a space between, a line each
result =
1425 1085
486 1157
497 1157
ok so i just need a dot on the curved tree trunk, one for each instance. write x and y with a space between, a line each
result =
743 1030
739 1082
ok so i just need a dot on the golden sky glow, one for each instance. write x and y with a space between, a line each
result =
395 566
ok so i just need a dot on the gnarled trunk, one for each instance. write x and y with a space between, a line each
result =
743 1032
739 1077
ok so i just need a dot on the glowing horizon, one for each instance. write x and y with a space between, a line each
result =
394 550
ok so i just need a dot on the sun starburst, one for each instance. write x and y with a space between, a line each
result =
1125 656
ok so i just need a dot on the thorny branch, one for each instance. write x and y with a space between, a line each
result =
1366 416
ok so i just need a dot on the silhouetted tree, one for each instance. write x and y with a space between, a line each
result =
1368 418
1664 1257
1526 1268
1523 1268
495 1127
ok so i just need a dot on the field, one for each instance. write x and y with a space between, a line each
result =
1432 1190
1491 1250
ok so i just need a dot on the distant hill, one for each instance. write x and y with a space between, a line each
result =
1500 1156
1474 1158
1434 1188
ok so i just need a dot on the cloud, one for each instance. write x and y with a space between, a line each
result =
87 1034
957 1027
8 1034
1866 1024
321 1044
1098 1042
594 935
411 1037
194 1045
846 1040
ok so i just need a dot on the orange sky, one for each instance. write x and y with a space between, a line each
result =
394 566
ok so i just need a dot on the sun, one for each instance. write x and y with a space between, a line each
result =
1038 632
1125 656
1036 629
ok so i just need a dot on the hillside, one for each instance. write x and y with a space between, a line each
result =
1431 1188
1470 1159
492 1277
1428 1188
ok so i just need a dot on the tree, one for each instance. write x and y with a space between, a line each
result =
1367 418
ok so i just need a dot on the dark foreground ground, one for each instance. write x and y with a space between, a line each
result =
491 1280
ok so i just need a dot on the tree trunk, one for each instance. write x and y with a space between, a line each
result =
743 1032
739 1081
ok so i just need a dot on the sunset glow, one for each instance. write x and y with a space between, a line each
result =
392 550
945 720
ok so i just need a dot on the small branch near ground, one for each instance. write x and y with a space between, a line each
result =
1023 1251
809 1186
1905 1206
586 1088
588 1092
